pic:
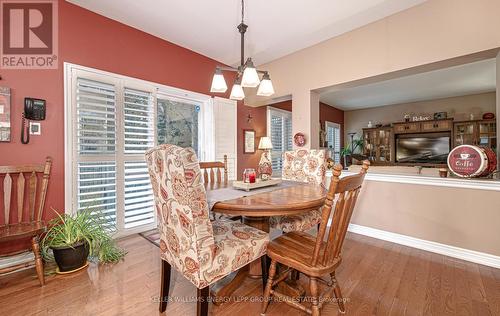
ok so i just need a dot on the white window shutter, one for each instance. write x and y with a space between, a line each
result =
96 117
225 114
333 139
279 129
138 121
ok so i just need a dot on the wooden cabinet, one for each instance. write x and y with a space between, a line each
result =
423 127
437 126
403 128
378 144
480 132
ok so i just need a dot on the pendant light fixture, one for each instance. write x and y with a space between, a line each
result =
247 73
266 88
237 92
218 82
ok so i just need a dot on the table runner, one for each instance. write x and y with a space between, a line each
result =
224 194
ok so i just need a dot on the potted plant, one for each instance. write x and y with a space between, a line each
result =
73 238
348 152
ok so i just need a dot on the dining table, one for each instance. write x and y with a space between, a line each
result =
255 208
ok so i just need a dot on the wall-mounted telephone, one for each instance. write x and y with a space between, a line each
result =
34 109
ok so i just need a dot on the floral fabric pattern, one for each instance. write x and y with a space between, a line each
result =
202 251
294 223
303 166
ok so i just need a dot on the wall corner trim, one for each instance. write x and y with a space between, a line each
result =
442 249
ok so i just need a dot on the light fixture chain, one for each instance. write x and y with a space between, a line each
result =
242 10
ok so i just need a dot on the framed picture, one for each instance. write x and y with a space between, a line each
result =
248 141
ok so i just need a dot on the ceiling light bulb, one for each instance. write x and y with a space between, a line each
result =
218 82
237 91
266 88
250 77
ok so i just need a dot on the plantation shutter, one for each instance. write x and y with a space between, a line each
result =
225 117
114 126
333 139
280 132
96 117
138 117
139 121
110 122
96 147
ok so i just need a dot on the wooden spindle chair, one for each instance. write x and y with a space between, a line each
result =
215 174
27 223
316 257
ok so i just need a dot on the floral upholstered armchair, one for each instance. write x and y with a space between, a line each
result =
303 165
202 251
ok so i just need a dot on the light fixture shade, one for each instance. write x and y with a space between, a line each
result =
265 143
237 92
250 77
266 88
218 83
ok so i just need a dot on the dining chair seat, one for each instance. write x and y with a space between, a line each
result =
298 248
299 222
236 245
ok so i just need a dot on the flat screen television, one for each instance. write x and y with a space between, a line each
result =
423 148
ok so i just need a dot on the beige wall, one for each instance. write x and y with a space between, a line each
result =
464 218
434 31
457 107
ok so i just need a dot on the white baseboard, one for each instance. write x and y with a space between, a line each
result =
442 249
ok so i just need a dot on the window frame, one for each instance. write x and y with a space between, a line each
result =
71 156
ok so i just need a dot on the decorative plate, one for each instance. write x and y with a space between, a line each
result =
299 139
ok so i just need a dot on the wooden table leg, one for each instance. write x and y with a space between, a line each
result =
261 223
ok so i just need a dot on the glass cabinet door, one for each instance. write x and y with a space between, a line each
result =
464 133
369 144
487 134
384 145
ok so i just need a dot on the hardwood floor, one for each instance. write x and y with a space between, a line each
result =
377 278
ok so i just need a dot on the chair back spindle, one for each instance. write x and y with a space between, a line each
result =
212 171
347 191
15 180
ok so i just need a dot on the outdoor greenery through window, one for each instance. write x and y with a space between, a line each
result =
177 123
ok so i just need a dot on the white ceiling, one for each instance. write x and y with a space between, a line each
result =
473 78
276 27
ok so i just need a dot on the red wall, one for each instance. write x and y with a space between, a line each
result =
334 115
259 124
88 39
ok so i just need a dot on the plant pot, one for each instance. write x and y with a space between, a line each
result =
71 258
347 161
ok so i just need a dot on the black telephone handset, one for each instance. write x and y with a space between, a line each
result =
34 109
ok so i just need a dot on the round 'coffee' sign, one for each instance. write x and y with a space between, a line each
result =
472 161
